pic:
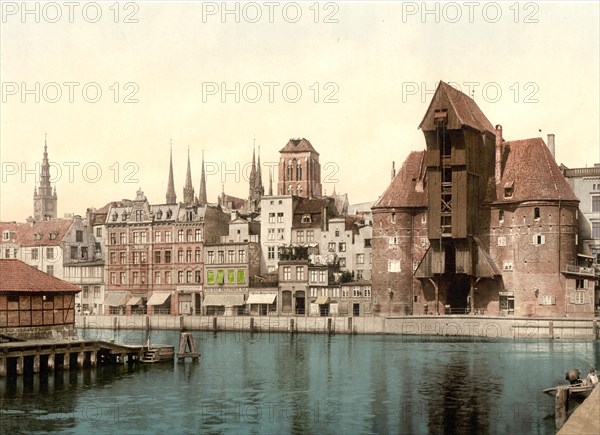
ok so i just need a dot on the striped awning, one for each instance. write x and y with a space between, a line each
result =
225 300
158 298
257 298
115 299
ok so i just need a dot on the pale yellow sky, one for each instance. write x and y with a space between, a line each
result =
365 72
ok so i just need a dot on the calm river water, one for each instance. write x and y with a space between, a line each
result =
277 383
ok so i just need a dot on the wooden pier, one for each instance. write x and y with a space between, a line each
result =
32 356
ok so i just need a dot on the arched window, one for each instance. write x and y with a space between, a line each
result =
501 216
299 172
536 213
290 170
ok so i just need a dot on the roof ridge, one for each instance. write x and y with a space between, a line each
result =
546 152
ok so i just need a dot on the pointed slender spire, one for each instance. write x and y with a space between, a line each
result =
202 193
44 196
188 189
252 178
171 195
259 188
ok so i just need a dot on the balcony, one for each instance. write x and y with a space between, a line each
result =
578 270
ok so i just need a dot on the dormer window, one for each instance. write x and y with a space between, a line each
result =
306 219
159 214
115 215
52 236
509 189
37 236
124 216
6 235
138 215
169 213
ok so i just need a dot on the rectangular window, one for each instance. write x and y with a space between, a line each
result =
122 278
180 256
287 273
157 237
342 247
314 276
157 257
344 292
359 274
230 276
548 300
84 253
367 243
136 257
198 256
423 241
595 230
221 257
188 276
79 236
168 277
198 276
595 203
580 283
367 292
342 261
331 247
220 276
180 236
113 239
501 241
300 236
74 250
189 236
280 235
85 291
241 255
310 236
123 238
210 257
271 218
113 277
271 234
96 291
231 256
157 277
136 278
579 298
34 254
360 258
356 291
300 273
539 239
188 256
168 236
167 256
280 218
210 277
113 257
180 277
393 265
393 241
198 235
271 252
322 276
50 253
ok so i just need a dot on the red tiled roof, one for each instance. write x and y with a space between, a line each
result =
313 207
407 188
25 233
462 110
16 276
298 145
236 203
529 166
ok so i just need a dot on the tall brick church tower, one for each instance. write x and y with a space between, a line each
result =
299 170
44 198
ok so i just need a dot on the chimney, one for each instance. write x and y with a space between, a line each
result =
551 144
393 170
498 165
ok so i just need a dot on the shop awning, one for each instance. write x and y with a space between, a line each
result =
261 299
158 298
225 300
135 300
322 300
115 299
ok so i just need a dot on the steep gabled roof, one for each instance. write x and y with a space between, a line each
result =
532 173
16 276
407 187
462 110
298 145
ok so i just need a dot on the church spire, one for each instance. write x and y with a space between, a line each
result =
171 195
188 189
202 193
252 179
44 197
259 188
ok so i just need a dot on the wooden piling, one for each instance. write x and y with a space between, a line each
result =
291 325
187 348
561 406
329 325
551 329
215 328
251 324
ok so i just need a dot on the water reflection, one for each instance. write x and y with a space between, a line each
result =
292 383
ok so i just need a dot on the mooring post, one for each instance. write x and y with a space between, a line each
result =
595 334
215 324
561 406
551 329
251 324
36 363
329 325
51 359
350 325
66 360
291 325
93 358
20 365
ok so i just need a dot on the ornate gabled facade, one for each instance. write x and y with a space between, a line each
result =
477 224
44 197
